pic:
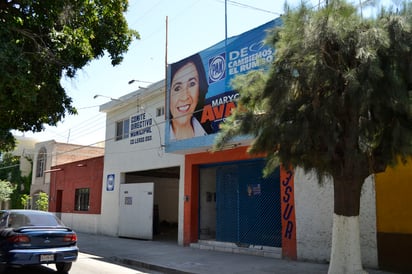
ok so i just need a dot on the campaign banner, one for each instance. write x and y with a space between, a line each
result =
199 91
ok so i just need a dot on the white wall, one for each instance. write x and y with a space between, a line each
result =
25 150
314 216
42 183
87 223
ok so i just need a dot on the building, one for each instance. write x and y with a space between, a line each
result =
153 175
394 218
158 183
142 185
25 150
76 193
226 198
51 153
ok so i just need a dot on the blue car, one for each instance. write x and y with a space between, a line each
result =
31 237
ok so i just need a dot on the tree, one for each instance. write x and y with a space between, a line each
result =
42 202
6 188
40 41
25 201
337 102
10 171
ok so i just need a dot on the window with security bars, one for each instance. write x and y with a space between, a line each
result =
41 162
81 202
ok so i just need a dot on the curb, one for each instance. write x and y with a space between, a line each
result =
148 266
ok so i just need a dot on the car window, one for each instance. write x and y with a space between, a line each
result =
44 220
3 219
32 219
18 220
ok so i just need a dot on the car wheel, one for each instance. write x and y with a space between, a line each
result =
63 267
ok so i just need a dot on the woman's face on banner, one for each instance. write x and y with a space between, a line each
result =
184 94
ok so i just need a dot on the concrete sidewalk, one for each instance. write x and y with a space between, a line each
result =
168 257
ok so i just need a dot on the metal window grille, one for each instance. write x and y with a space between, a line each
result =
248 205
82 199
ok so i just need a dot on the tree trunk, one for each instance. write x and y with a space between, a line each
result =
346 251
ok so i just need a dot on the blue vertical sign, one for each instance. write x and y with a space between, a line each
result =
110 182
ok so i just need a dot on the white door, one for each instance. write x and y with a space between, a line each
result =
136 210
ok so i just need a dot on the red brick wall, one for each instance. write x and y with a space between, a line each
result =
86 173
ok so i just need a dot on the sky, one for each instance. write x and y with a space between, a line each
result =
192 25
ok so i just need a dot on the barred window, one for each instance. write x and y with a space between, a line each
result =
81 200
41 162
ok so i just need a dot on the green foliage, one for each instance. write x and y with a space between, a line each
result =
42 40
9 166
10 171
7 141
337 100
25 201
21 187
42 202
6 188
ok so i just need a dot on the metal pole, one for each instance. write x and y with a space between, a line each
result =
166 45
225 23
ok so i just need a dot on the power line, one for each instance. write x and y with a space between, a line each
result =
235 3
88 126
79 131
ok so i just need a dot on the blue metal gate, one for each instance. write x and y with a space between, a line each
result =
248 205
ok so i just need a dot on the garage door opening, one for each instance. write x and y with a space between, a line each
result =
164 205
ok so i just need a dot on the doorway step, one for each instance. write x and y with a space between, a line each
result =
257 250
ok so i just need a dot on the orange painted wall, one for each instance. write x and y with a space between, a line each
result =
287 204
394 199
394 218
191 204
191 193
